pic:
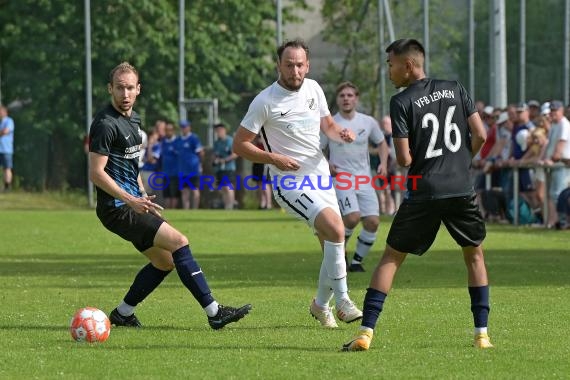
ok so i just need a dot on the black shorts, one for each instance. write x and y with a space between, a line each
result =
139 229
225 177
194 180
173 188
416 224
257 170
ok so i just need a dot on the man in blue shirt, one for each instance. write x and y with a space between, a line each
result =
6 146
190 163
225 165
169 165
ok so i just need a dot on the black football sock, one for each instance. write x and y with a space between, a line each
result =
373 305
480 304
191 276
145 282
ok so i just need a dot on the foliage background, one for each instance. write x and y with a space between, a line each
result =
229 55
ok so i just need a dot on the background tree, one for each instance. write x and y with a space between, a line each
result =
229 55
353 25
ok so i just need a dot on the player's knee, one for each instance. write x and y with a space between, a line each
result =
179 240
351 220
371 223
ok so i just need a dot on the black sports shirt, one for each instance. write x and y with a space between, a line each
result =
120 138
433 114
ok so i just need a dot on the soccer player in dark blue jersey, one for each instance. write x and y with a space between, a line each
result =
436 131
124 208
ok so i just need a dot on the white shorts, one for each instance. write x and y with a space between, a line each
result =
364 200
305 203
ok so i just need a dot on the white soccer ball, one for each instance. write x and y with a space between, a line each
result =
90 324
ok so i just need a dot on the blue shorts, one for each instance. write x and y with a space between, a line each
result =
6 160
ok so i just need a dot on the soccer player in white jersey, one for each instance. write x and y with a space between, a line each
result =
289 115
357 201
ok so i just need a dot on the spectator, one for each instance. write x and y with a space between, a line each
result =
493 200
534 111
480 160
260 174
557 150
6 146
151 165
225 165
170 167
533 157
160 128
190 155
519 138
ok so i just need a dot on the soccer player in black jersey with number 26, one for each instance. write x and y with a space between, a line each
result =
436 131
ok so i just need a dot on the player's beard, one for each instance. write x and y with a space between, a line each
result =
123 105
291 85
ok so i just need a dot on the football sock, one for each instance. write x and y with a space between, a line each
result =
212 309
148 278
480 304
335 265
347 234
125 309
191 276
480 330
357 259
363 244
324 291
373 304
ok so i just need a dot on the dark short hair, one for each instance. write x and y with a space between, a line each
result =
219 125
346 84
406 46
296 43
123 67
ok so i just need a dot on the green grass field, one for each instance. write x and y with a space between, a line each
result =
54 262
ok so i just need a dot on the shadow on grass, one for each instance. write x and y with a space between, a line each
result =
439 268
159 328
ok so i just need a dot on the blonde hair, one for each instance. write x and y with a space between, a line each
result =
123 67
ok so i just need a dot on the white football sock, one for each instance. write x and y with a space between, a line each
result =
364 243
480 330
212 309
324 291
335 265
125 309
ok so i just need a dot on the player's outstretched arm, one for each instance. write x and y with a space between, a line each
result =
478 133
335 132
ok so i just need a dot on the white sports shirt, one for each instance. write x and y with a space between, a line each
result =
290 124
354 158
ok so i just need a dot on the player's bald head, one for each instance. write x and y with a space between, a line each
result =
408 48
